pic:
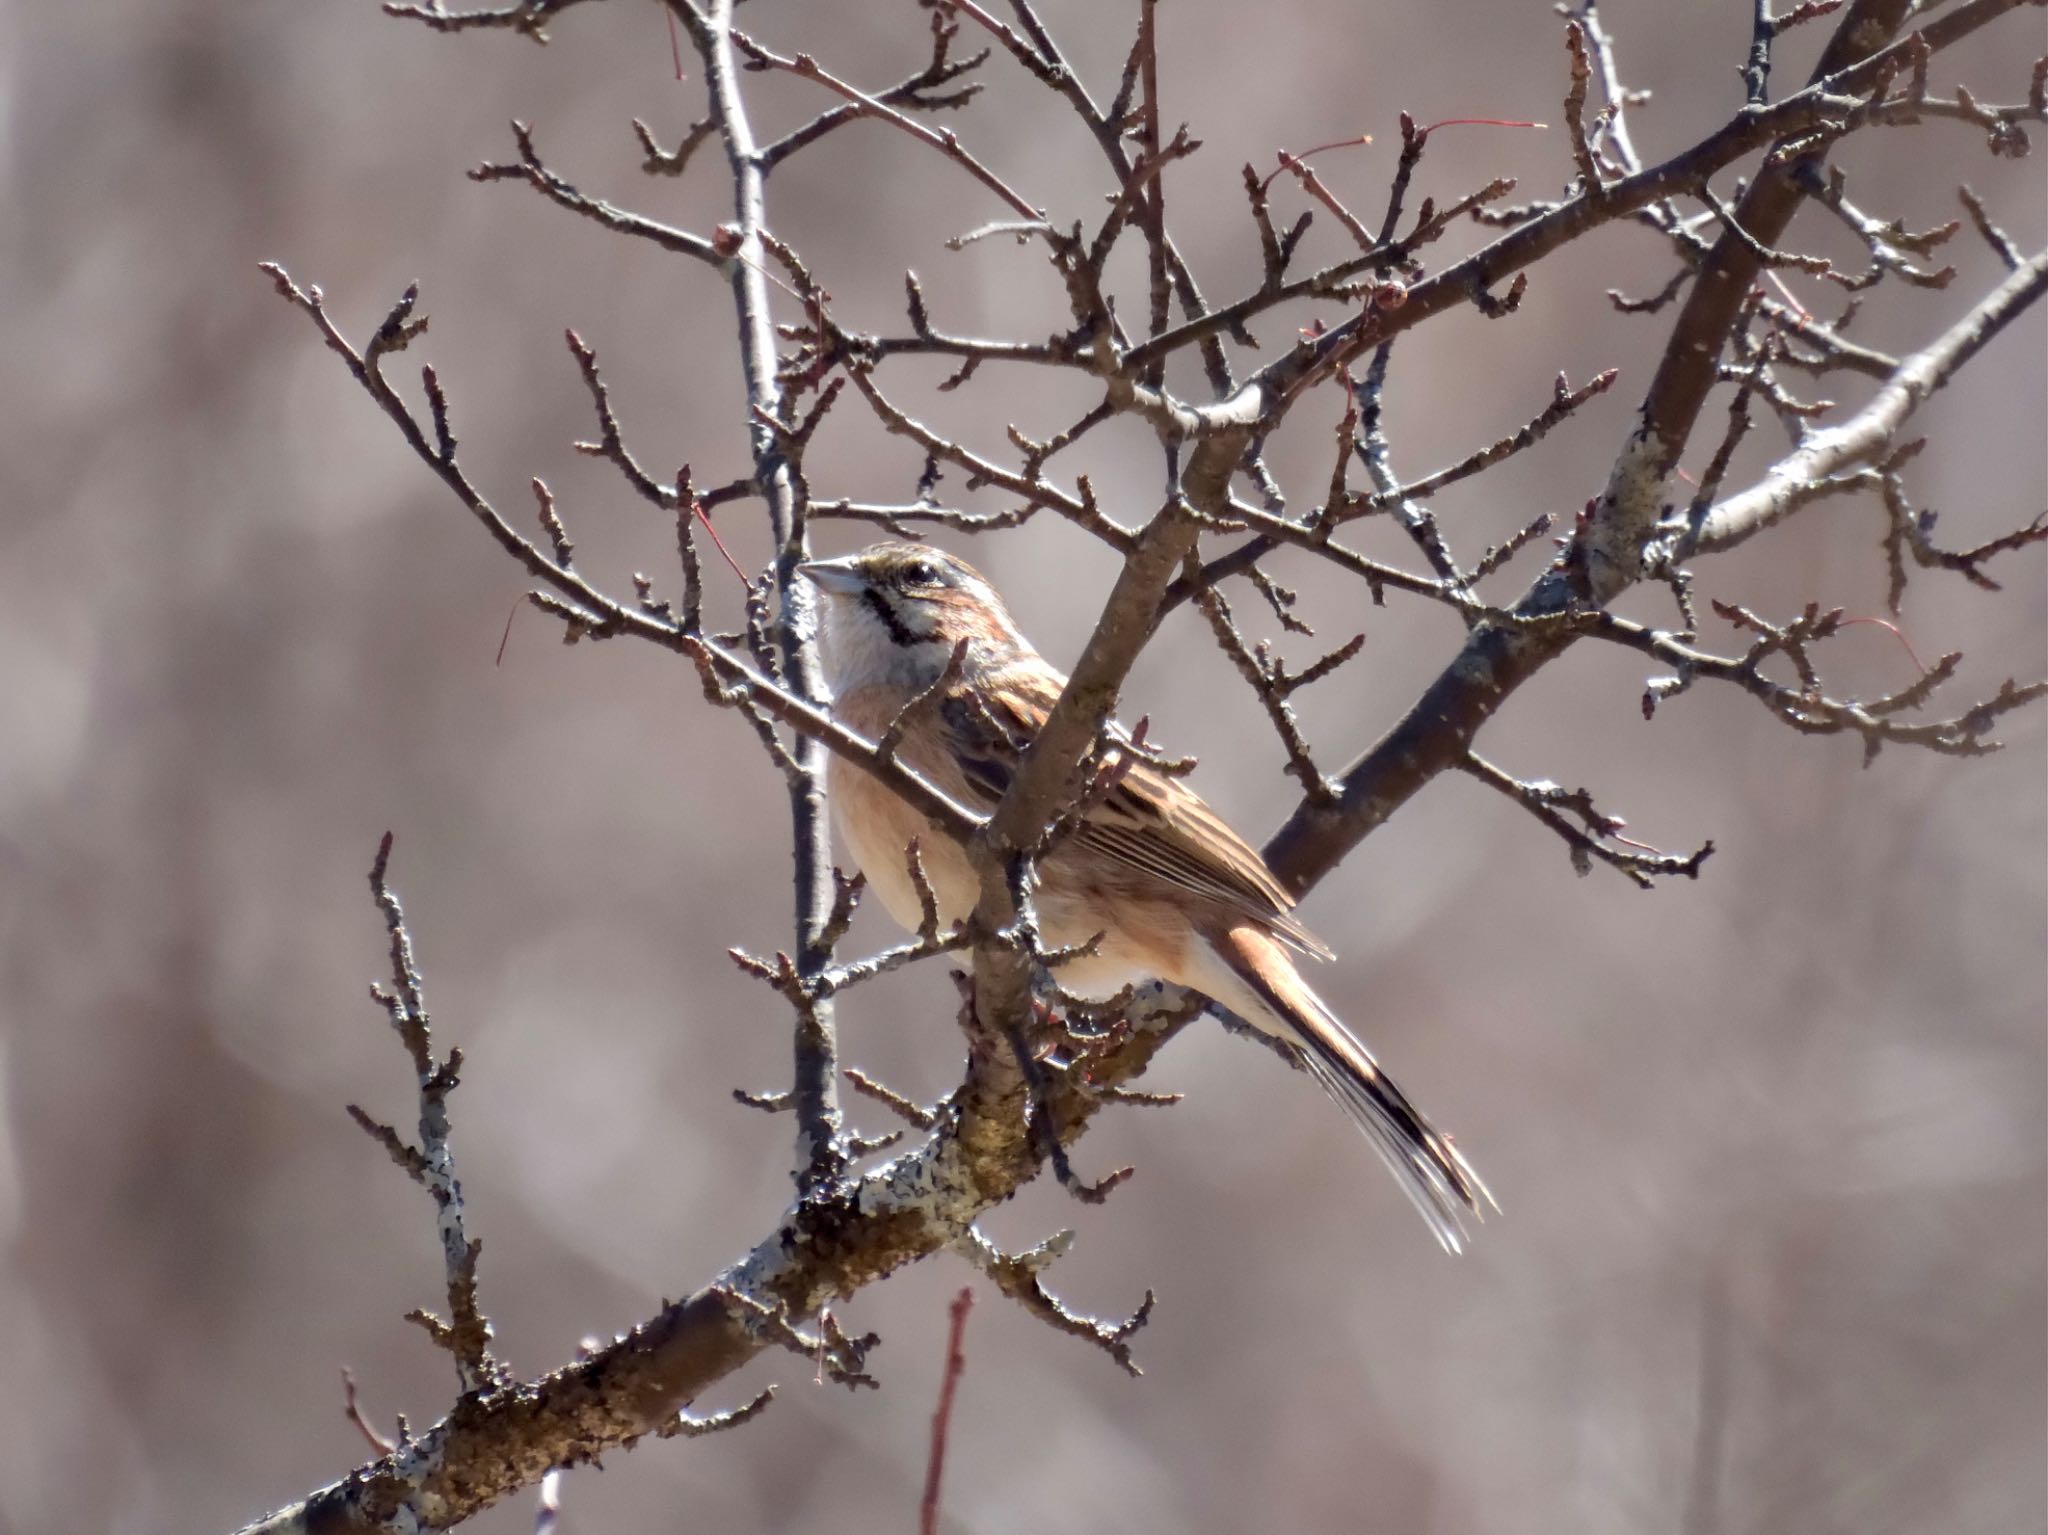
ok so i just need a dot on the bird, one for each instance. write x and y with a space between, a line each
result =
1153 885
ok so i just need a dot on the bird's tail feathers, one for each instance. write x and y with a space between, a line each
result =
1431 1171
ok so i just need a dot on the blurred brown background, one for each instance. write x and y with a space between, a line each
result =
1771 1145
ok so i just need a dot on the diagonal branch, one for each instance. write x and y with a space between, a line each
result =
1588 832
860 104
584 605
1844 72
915 91
536 173
1807 708
1605 555
1870 432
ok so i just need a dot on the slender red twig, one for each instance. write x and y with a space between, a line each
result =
942 1415
354 1410
1897 634
704 518
1641 847
675 41
506 638
1479 122
1288 161
1787 294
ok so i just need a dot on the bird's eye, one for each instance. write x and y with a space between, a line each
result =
921 573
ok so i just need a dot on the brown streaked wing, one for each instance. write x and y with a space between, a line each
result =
1149 821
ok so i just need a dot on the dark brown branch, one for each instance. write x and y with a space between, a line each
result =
1040 55
1416 520
1078 508
1807 708
1589 183
920 92
657 161
1912 532
2004 133
1564 400
861 104
1999 241
1606 552
1844 72
1499 554
532 170
1891 245
1269 682
597 615
914 1114
1764 30
611 443
1832 350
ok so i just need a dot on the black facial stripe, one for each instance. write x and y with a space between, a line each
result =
899 631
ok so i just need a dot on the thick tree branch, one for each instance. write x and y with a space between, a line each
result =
1606 554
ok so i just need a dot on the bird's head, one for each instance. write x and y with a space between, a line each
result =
894 613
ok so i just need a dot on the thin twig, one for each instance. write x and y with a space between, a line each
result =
942 1415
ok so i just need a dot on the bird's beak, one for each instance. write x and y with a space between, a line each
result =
839 578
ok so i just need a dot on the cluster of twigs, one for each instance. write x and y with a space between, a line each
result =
1035 1074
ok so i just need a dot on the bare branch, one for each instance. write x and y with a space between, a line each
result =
532 170
1019 1277
918 1117
1586 831
919 92
1807 708
1844 70
922 703
672 162
1575 110
1868 433
1911 531
1269 681
467 1335
1563 402
686 1425
1606 552
1999 241
1891 245
730 680
525 16
860 104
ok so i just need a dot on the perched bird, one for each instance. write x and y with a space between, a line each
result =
1175 893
